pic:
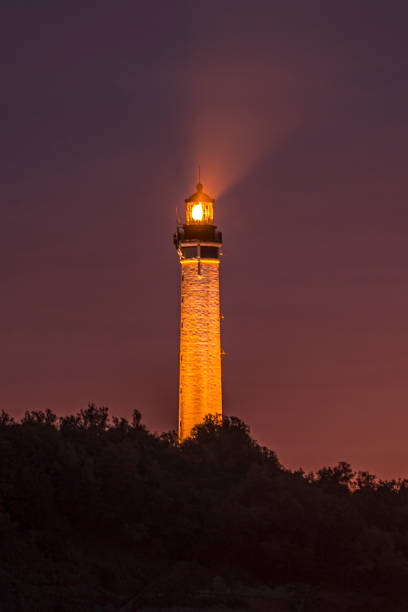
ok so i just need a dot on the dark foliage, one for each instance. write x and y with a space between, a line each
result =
85 500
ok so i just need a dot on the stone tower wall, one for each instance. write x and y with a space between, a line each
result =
200 348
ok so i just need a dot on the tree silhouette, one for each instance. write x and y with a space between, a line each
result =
90 492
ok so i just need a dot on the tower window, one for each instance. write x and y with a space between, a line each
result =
210 252
189 252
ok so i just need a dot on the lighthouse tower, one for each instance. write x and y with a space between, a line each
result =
198 244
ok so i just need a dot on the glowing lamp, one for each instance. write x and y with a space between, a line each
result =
197 212
200 208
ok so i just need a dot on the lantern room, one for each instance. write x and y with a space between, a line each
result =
199 208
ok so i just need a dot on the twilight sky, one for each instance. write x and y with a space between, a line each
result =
297 113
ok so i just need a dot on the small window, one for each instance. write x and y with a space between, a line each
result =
210 252
189 252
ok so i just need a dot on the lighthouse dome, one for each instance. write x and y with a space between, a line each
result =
200 196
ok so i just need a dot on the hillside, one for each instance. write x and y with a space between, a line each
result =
99 514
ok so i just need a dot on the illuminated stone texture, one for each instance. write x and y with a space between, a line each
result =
200 349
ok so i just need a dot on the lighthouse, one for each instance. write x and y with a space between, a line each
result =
198 244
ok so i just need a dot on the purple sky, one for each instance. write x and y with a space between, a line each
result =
297 113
